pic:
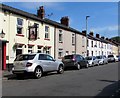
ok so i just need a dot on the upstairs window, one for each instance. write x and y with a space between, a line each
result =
83 42
19 26
47 32
73 39
91 43
60 36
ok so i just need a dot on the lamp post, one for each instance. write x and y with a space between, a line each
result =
86 32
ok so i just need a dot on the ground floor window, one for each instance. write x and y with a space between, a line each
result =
67 52
39 50
46 50
60 53
92 53
87 52
19 50
30 49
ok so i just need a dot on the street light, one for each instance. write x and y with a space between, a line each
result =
86 22
86 33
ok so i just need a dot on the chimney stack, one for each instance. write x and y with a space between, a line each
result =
91 33
41 12
65 21
97 36
103 37
107 39
84 32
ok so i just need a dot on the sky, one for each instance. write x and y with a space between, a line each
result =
103 15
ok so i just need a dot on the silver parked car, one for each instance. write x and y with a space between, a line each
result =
92 61
37 64
102 59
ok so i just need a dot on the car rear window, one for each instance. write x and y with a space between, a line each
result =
24 57
69 57
110 56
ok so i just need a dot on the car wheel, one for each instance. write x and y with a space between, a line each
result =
38 73
78 66
60 69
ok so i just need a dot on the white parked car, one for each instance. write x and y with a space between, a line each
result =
92 61
112 58
37 64
102 59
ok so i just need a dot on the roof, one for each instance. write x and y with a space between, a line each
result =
35 17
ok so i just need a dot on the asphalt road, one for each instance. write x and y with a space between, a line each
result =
94 81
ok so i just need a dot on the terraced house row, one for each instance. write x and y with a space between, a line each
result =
22 32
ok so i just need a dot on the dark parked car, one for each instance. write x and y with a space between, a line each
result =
75 60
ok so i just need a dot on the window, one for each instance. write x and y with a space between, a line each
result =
19 50
60 52
99 44
73 39
49 58
19 26
92 53
24 57
73 52
39 49
47 32
83 42
91 43
42 57
60 36
30 49
67 52
87 52
87 42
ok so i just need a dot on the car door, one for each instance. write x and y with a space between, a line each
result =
42 59
82 61
51 63
95 60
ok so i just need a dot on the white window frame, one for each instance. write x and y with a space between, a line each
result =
47 32
60 33
73 39
20 26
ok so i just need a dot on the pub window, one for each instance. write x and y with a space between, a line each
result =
19 26
19 50
39 50
30 49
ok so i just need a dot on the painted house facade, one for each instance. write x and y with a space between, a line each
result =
27 33
100 45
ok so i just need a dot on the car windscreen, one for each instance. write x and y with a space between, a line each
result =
99 57
69 57
110 56
24 57
88 58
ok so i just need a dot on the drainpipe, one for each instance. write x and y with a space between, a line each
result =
75 43
55 42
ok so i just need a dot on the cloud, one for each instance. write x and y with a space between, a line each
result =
104 29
